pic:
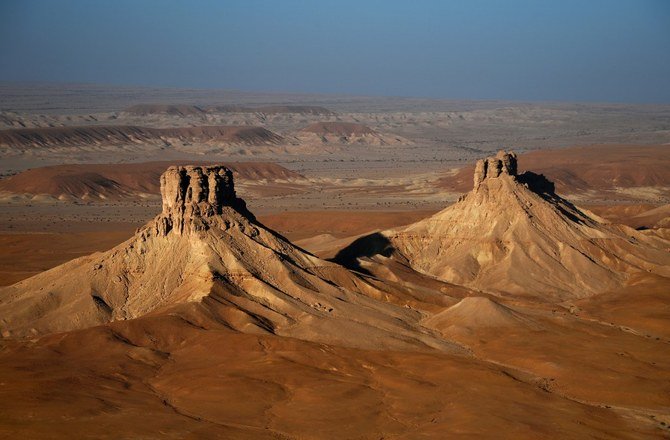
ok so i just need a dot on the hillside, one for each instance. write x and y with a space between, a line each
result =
512 234
273 109
204 302
25 139
345 133
118 181
163 109
207 258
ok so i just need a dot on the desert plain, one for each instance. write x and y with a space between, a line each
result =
212 264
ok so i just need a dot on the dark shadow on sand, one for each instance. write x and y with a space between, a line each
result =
367 246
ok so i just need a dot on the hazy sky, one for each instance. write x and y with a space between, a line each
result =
586 50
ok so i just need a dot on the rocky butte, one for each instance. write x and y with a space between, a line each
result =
192 194
206 258
492 167
512 234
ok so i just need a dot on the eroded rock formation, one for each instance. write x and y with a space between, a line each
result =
206 258
191 193
503 163
513 235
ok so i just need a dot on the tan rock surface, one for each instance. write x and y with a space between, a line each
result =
513 234
207 252
213 326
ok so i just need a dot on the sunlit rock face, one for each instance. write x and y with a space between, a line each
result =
513 235
503 163
191 193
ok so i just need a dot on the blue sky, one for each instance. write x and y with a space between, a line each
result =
562 50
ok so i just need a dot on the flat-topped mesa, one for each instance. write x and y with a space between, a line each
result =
193 193
502 164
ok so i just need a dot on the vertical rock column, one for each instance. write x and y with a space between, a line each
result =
502 164
191 193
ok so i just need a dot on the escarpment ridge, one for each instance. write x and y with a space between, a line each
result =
90 135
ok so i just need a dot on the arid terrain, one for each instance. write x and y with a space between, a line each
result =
213 264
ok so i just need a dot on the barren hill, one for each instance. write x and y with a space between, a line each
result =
115 181
84 135
338 129
473 314
273 109
513 234
193 110
246 135
590 168
163 109
97 135
206 258
344 133
658 217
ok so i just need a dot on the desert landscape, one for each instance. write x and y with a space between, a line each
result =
353 220
238 270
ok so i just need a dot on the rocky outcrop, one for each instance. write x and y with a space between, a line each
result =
191 194
193 189
513 235
207 259
503 163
